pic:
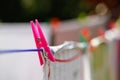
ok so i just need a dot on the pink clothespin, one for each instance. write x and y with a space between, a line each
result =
41 42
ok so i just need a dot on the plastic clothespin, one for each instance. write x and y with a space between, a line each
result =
55 23
41 42
85 32
111 25
101 32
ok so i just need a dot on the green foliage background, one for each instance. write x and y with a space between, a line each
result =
44 10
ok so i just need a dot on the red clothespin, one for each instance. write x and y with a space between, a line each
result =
41 42
55 23
111 25
101 32
86 33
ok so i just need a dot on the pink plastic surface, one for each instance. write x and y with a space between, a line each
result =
44 42
41 41
36 36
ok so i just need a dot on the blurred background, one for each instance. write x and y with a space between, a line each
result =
44 10
61 20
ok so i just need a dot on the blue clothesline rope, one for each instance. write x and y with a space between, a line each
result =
19 50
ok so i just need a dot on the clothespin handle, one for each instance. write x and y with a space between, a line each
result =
36 37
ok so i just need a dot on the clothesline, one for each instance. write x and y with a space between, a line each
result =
19 50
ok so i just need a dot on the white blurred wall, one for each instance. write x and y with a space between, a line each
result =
20 66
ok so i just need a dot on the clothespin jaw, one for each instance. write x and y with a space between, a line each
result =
41 42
